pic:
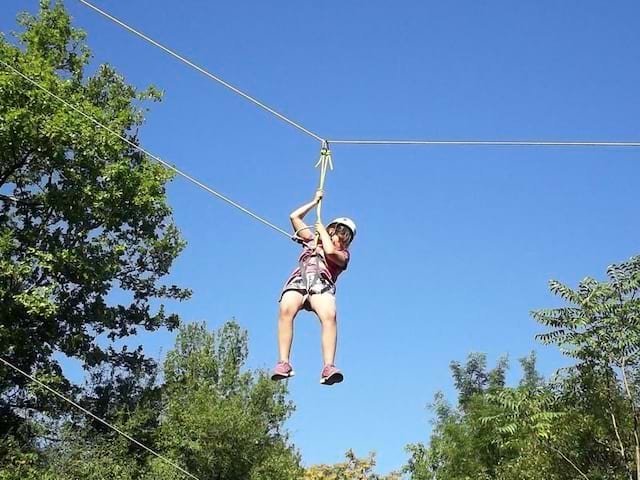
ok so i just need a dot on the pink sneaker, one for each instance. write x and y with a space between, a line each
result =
330 375
282 370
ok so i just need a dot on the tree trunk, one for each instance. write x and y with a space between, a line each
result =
635 418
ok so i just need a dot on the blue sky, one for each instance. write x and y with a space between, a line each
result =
455 244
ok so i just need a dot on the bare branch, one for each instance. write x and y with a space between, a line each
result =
17 201
9 198
622 451
15 167
612 384
569 461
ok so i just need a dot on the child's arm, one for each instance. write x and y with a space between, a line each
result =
297 215
337 256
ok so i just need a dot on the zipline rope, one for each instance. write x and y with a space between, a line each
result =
104 422
201 70
357 142
324 163
154 157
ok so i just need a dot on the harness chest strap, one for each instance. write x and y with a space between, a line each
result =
310 278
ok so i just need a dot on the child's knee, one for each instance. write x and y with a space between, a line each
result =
327 316
288 310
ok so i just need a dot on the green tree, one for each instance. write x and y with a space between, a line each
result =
600 328
461 445
22 461
87 449
218 421
473 378
210 417
83 215
581 424
353 468
477 439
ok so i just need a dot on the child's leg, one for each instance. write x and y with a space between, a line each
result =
324 304
290 304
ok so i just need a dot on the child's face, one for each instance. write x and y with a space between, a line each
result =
336 238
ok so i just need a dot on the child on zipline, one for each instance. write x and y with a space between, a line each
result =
312 286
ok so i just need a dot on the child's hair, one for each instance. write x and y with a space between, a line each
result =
344 233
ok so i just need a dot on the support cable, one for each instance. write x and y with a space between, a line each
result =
154 157
350 141
104 422
507 143
201 70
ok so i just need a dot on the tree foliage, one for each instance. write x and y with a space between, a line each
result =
218 421
83 215
210 417
353 468
583 423
600 328
463 444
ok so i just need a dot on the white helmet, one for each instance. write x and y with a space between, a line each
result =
347 222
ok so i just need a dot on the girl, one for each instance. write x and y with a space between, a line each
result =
312 286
